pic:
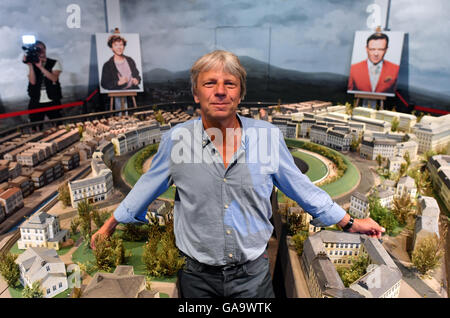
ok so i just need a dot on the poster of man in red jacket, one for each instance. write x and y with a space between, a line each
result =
377 72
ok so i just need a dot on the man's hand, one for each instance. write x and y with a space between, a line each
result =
105 231
367 226
363 226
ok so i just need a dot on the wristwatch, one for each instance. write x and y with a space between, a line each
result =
349 225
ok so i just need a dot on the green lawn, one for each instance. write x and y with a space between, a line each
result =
17 292
346 182
317 169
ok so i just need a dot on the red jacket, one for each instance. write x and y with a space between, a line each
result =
359 79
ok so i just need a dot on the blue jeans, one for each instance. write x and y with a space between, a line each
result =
248 280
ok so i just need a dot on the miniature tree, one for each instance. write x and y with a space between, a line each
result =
64 194
379 160
109 253
394 124
85 211
407 158
135 233
403 208
100 217
34 291
350 274
74 223
9 269
403 169
298 240
427 254
161 256
382 215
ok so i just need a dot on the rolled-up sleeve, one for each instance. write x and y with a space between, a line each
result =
292 182
150 185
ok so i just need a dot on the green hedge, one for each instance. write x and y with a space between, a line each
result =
133 169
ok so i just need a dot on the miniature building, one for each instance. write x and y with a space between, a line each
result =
427 224
395 164
24 184
327 249
439 167
409 146
432 132
41 230
43 265
339 140
99 187
306 219
359 205
406 186
11 200
387 184
2 213
364 112
120 144
70 160
386 197
4 173
371 148
120 284
159 209
373 124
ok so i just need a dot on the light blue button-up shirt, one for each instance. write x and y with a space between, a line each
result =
222 215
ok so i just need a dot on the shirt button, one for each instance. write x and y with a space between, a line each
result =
230 255
226 206
228 232
224 179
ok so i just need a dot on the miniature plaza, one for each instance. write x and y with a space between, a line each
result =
391 166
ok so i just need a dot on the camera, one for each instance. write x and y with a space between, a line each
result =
32 51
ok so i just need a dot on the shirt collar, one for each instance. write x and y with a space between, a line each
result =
206 139
373 65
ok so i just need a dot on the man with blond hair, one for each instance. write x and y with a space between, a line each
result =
224 167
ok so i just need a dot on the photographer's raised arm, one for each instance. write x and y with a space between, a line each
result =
53 76
31 73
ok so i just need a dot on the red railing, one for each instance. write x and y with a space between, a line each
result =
421 108
44 109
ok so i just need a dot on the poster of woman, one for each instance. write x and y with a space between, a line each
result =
119 62
375 62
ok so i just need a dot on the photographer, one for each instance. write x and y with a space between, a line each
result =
43 84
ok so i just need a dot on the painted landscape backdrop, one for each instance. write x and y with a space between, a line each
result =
293 50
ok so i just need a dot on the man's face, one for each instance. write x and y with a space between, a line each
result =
43 51
219 94
376 49
118 47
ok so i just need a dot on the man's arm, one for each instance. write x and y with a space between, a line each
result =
314 200
53 76
150 185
